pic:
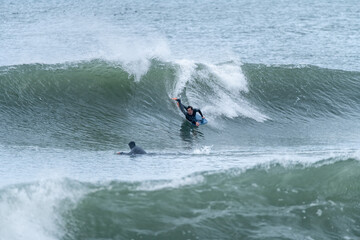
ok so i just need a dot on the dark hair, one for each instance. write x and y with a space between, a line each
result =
190 108
132 144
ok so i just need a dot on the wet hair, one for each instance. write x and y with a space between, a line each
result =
131 144
190 108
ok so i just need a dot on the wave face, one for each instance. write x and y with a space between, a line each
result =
87 104
304 91
263 202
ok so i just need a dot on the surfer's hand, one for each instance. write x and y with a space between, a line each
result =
203 117
197 124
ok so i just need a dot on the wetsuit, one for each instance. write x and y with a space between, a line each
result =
134 150
191 118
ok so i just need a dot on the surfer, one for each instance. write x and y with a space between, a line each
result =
134 149
189 112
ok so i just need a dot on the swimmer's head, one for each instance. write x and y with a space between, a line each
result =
131 144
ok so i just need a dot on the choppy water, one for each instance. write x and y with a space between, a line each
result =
278 82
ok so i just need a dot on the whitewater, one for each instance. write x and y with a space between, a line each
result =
278 82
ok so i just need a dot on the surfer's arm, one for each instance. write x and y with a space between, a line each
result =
198 110
182 107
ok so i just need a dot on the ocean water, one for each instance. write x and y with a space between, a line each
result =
278 81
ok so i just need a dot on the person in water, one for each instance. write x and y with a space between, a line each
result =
134 149
189 112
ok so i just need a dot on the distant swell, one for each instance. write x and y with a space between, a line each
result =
284 202
100 102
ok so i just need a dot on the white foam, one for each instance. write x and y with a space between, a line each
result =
185 73
231 75
225 84
319 212
32 211
134 54
205 150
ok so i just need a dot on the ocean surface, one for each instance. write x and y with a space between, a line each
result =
278 81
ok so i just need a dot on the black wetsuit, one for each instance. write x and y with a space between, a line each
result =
191 118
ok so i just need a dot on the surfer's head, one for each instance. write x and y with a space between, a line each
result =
190 110
131 145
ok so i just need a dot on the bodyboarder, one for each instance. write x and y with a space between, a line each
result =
189 112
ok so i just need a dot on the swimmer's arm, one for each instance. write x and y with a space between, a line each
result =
123 153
